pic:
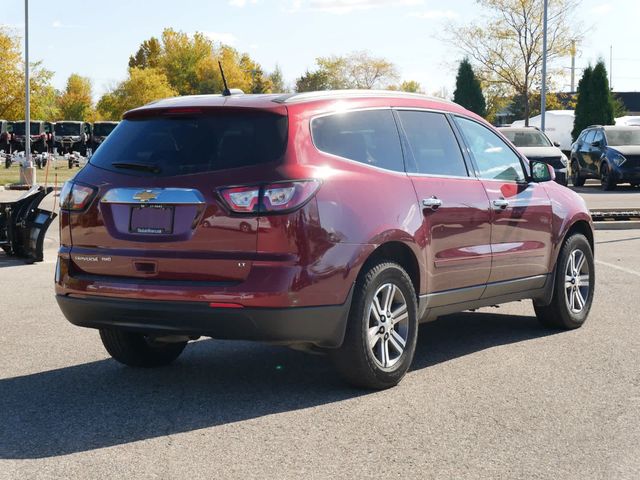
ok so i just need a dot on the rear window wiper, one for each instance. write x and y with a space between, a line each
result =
137 166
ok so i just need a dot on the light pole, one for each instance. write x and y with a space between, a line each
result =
543 95
27 110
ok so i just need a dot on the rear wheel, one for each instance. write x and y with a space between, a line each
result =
138 350
574 286
382 329
606 179
576 179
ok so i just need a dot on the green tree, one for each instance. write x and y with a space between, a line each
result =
181 58
76 102
506 41
410 86
355 70
148 55
313 81
277 80
582 117
619 108
190 63
12 102
468 92
601 104
143 85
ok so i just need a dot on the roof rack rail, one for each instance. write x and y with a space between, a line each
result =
328 94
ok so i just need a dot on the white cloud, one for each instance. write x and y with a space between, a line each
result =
348 6
602 9
222 37
59 24
435 14
242 3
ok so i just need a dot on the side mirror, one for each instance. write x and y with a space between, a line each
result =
556 144
542 172
596 144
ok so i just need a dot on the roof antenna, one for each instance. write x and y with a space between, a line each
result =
226 92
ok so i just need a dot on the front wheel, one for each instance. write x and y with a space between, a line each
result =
382 329
574 286
576 179
607 181
138 350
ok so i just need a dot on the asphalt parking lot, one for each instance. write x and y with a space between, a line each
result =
490 395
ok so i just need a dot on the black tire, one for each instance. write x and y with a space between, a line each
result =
136 350
576 179
558 314
606 180
355 359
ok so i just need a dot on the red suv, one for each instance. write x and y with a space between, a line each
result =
332 221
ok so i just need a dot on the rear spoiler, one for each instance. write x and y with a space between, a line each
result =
23 225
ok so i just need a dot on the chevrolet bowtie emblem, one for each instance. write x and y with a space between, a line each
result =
145 195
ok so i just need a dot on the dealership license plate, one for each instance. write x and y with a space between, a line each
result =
152 219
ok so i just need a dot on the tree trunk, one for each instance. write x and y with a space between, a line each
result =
527 108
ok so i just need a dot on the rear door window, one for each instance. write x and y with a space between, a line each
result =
433 144
368 136
182 145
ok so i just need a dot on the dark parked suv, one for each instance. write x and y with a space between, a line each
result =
332 222
610 153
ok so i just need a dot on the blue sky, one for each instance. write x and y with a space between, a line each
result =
96 38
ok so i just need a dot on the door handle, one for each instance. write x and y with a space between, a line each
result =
433 203
500 204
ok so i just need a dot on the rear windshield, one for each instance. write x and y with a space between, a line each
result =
531 138
184 145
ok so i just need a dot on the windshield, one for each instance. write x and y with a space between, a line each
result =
623 137
63 128
185 145
529 138
103 129
18 128
35 128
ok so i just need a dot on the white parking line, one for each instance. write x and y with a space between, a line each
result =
622 269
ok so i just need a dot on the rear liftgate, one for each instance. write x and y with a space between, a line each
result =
23 225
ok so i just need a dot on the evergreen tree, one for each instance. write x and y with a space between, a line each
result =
582 112
468 92
601 97
596 104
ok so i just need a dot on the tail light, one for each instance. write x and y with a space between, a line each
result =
75 197
271 197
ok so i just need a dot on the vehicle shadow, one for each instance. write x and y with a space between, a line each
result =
10 261
101 404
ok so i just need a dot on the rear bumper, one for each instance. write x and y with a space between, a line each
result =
323 326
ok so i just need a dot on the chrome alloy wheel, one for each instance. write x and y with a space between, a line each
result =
576 281
388 325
